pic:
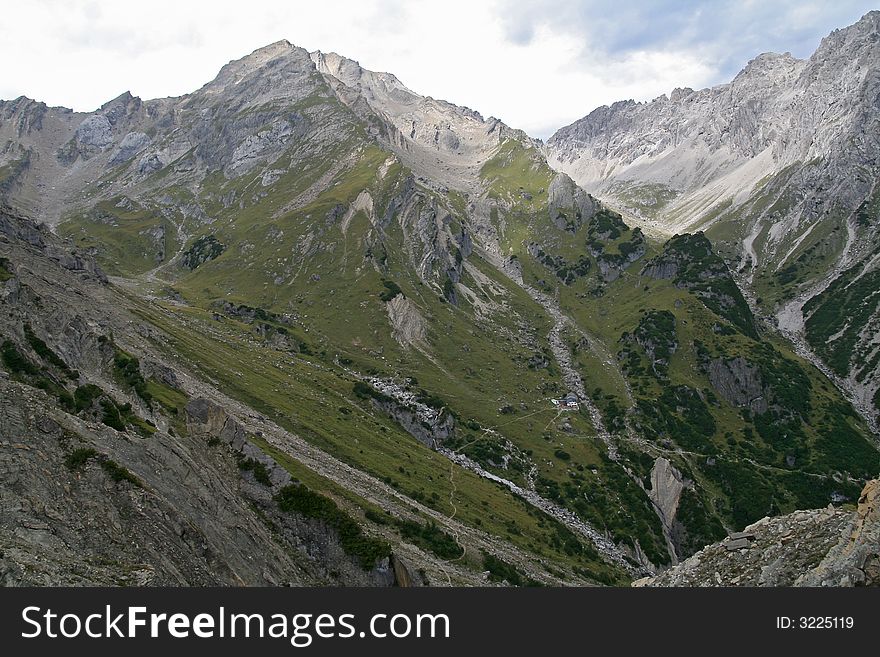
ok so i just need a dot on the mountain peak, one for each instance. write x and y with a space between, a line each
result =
122 99
260 56
276 47
861 36
280 64
871 19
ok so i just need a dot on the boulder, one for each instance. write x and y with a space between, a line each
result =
132 144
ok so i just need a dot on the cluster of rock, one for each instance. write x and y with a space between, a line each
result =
430 426
821 547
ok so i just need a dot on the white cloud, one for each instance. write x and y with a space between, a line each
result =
82 53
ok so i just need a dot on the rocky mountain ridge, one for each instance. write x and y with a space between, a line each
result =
439 141
720 142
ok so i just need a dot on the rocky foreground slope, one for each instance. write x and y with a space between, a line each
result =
110 475
823 547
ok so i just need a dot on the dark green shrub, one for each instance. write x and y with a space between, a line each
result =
202 250
391 290
296 498
111 415
841 447
701 526
366 391
376 516
84 396
15 361
118 473
129 369
500 570
430 399
5 270
65 400
79 457
751 497
430 537
43 350
259 470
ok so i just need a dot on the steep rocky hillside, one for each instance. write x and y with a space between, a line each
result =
107 476
313 272
127 463
780 169
440 142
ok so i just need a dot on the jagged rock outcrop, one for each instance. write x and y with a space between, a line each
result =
132 144
739 382
822 547
408 326
439 141
94 135
402 575
855 560
563 197
204 418
431 431
667 485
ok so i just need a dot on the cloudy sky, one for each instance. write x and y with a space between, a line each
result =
538 65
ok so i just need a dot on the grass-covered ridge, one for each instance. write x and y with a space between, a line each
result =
129 239
519 174
691 263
